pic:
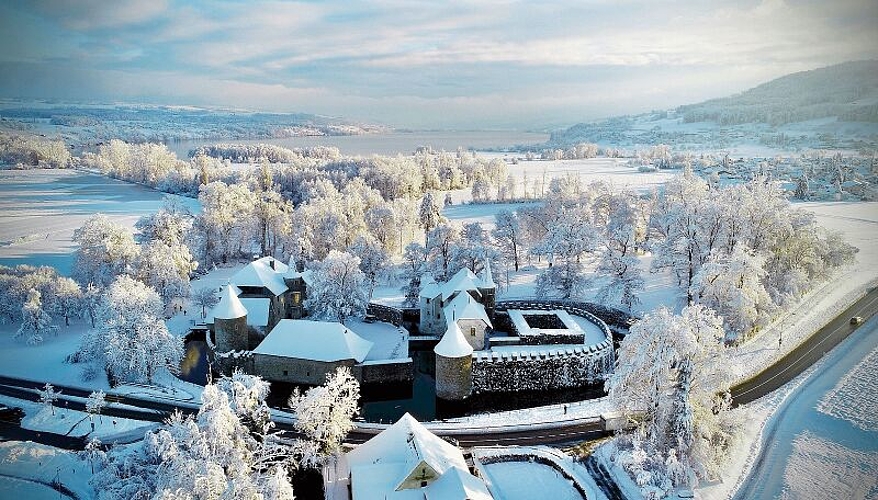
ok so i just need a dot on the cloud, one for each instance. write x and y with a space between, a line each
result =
440 63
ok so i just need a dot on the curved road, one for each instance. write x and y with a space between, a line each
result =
798 415
806 354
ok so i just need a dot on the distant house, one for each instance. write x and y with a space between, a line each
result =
406 461
284 285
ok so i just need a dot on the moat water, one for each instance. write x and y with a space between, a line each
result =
387 402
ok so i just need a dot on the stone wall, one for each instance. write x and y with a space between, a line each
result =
549 368
474 331
617 320
396 370
384 313
231 334
295 371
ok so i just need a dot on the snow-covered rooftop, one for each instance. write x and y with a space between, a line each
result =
453 343
464 306
229 306
380 466
462 281
457 484
260 273
487 277
256 308
314 340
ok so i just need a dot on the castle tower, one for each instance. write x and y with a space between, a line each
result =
230 323
488 289
454 365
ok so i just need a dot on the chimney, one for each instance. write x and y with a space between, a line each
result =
271 263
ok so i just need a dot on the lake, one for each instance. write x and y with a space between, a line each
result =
389 144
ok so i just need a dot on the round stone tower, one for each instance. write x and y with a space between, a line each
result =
454 365
230 323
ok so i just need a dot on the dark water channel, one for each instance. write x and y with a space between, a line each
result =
386 402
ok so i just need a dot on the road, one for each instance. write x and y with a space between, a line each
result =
799 416
806 354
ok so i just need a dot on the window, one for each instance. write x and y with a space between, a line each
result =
285 373
472 331
423 484
297 298
428 301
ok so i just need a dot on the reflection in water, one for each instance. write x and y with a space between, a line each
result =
195 364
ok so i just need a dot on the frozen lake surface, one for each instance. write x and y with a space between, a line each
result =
40 209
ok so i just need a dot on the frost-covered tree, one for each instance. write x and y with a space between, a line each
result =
35 322
165 268
373 259
204 297
471 250
440 250
224 227
246 394
68 298
131 341
209 455
672 381
338 288
94 453
621 235
567 239
509 235
169 225
105 251
429 215
325 413
413 265
48 396
96 402
91 302
732 285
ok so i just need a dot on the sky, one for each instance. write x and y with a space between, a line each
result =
455 64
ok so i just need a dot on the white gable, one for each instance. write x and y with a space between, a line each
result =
457 484
462 281
380 465
314 340
464 306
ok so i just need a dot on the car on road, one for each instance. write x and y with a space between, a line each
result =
856 320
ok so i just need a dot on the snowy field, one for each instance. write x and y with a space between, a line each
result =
855 397
40 209
35 466
819 468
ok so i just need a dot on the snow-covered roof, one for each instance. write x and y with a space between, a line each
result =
256 309
314 340
229 306
462 281
380 465
260 273
429 288
453 343
457 484
464 306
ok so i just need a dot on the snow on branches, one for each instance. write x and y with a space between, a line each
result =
131 341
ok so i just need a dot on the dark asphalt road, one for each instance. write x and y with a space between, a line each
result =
805 355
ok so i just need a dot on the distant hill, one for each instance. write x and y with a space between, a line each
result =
847 91
835 107
84 124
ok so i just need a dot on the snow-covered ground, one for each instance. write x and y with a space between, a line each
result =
40 209
36 466
526 478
